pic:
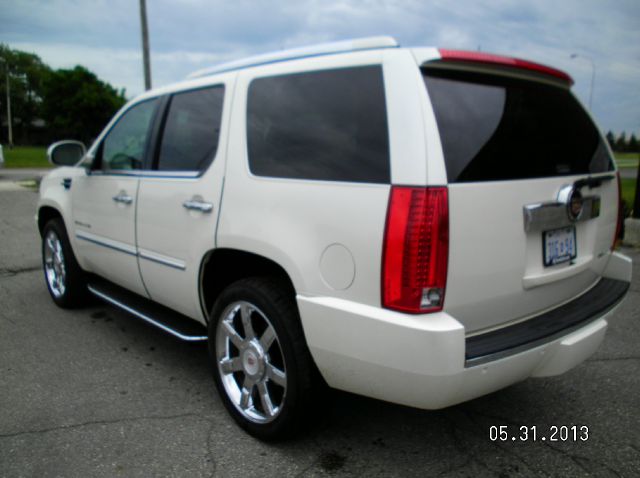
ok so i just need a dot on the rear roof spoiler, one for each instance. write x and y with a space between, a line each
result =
480 58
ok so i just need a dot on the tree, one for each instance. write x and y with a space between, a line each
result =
633 146
611 139
27 74
621 142
77 105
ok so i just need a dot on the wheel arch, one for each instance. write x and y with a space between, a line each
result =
45 214
223 266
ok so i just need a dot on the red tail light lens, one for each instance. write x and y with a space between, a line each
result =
416 250
619 217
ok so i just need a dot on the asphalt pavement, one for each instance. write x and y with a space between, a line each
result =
95 392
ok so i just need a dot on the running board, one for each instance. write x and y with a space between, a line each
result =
159 316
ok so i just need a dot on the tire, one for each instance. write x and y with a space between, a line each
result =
264 372
65 279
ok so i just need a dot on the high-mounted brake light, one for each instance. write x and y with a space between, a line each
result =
416 249
506 61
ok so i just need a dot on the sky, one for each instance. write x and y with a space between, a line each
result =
187 35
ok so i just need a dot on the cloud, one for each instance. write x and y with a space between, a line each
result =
187 35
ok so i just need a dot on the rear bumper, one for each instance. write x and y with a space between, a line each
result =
421 361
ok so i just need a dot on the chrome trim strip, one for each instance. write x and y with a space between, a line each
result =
111 244
164 260
551 215
118 246
146 318
151 174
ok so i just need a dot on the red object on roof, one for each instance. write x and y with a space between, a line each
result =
488 58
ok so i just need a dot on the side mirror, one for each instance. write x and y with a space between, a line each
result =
66 153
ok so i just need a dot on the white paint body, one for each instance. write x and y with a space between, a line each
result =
328 237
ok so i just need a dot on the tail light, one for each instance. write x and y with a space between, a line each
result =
416 250
619 217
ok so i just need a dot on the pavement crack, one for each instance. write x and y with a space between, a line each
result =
577 459
13 271
98 422
614 359
214 464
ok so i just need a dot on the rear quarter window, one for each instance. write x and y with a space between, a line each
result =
500 128
322 125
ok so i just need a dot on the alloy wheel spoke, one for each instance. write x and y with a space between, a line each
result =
231 333
265 399
245 315
231 365
276 375
245 395
267 338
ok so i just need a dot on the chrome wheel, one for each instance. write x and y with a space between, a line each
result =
54 265
251 364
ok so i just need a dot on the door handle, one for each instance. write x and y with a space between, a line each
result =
123 198
198 205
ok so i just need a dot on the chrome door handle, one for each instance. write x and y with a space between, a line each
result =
197 205
123 198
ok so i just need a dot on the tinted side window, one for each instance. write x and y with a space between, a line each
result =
192 129
499 128
124 146
326 125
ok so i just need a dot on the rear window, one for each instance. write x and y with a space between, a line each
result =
192 129
323 125
498 128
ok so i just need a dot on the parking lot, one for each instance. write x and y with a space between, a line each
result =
94 392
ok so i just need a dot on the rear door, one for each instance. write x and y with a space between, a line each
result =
179 200
532 193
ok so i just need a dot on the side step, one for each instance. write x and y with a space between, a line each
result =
170 321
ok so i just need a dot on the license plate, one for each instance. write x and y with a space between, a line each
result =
559 245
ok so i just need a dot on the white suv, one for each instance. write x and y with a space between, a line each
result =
417 225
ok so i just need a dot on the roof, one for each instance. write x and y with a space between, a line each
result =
358 44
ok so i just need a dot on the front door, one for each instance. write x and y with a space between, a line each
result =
104 200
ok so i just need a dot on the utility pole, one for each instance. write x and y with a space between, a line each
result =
636 202
593 74
8 88
145 45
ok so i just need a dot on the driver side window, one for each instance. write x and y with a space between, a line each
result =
124 146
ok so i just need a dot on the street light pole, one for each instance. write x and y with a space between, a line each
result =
593 74
145 44
8 88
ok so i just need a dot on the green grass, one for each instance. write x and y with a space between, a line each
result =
627 160
25 157
628 190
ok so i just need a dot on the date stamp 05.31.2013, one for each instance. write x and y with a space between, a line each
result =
533 433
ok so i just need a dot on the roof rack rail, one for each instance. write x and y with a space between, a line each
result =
369 43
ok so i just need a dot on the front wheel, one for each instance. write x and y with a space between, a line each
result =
65 279
262 367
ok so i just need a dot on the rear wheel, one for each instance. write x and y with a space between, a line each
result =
63 275
261 364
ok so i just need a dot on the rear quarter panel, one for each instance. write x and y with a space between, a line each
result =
327 235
